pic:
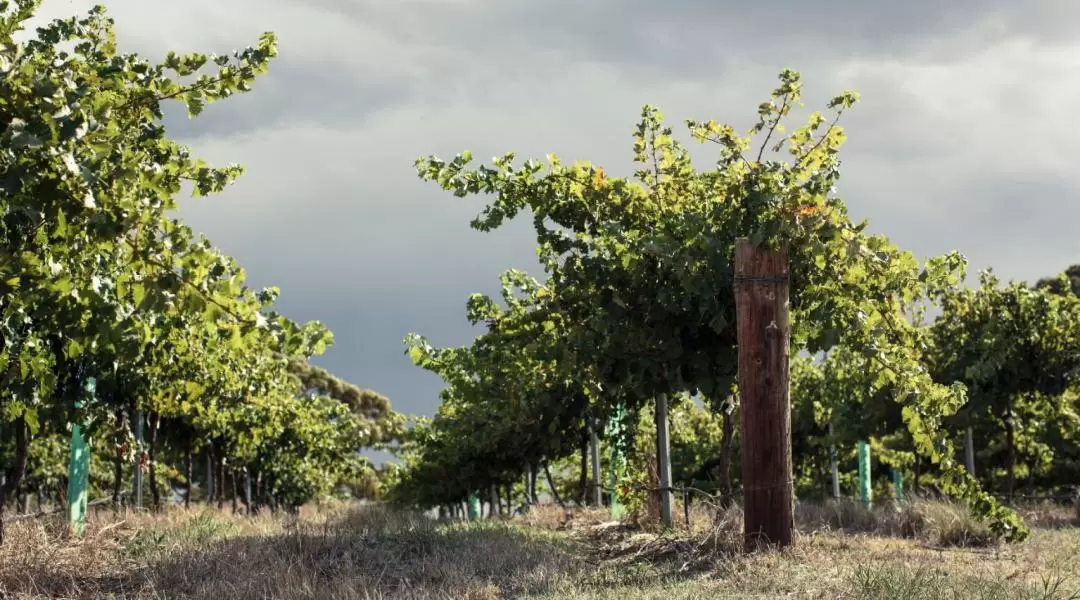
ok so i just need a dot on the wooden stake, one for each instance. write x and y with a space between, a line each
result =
594 452
209 475
761 301
663 458
834 466
969 450
137 474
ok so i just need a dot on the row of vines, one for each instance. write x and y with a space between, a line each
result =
638 304
200 384
204 392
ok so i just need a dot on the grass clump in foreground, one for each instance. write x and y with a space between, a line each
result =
363 552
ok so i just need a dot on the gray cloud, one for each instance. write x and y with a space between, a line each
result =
963 138
680 37
293 93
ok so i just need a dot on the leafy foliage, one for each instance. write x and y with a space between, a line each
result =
1017 350
1069 281
506 405
643 268
97 279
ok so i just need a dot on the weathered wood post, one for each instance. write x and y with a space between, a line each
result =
209 475
663 458
247 491
616 462
834 466
528 477
761 304
969 450
137 473
594 453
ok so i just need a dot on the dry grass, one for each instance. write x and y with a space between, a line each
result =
366 552
938 522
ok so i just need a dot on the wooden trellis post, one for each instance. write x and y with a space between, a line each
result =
594 453
761 305
137 473
663 458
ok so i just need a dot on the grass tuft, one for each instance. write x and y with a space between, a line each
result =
938 522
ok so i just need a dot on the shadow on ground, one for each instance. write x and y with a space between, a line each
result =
371 554
362 552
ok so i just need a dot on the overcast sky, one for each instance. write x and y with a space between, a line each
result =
964 138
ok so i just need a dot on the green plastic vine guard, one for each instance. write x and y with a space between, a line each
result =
79 465
474 507
864 473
